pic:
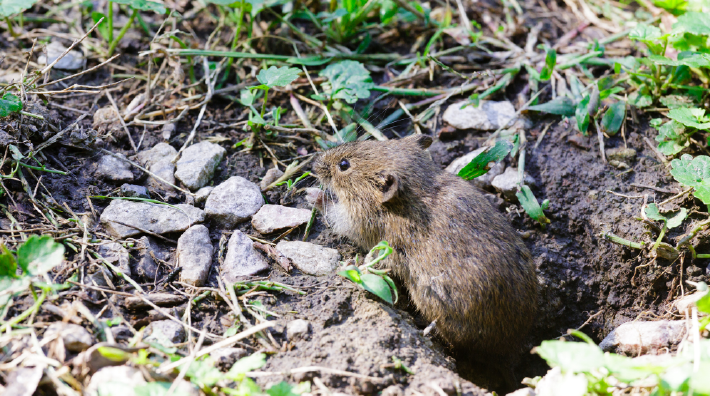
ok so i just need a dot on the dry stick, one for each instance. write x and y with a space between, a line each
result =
600 138
655 151
102 289
296 105
173 318
293 130
208 98
118 114
325 370
80 73
56 137
153 175
675 196
218 345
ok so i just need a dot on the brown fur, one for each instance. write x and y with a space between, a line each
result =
463 264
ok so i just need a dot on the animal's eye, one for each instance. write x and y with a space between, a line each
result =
344 165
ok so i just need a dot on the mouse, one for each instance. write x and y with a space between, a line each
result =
462 263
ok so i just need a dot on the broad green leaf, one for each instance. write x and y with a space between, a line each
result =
347 80
15 152
9 104
203 373
694 60
114 354
531 206
247 97
693 22
479 165
614 117
388 9
693 172
8 265
550 61
690 116
575 357
351 272
103 27
644 32
278 77
11 7
581 114
675 379
143 5
561 105
640 100
161 389
245 365
281 389
39 254
377 286
653 213
675 7
675 101
671 138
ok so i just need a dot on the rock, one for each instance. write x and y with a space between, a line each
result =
121 333
194 255
131 190
224 358
72 61
241 259
271 176
22 381
173 332
484 181
117 255
489 116
75 337
159 299
105 119
276 217
555 383
685 303
310 258
507 183
635 338
297 329
233 201
118 380
198 163
147 268
621 154
158 160
113 169
393 390
157 218
202 194
168 130
619 164
99 278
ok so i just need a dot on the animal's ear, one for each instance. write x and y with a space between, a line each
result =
390 186
423 141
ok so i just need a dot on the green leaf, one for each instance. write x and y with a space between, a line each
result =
160 389
377 286
351 272
550 61
203 373
161 342
8 264
281 389
143 5
675 101
640 100
614 117
315 60
347 80
676 7
11 7
644 32
693 172
103 27
9 104
671 138
561 105
39 255
693 22
693 60
690 116
653 213
703 303
575 357
700 380
581 114
278 77
114 354
245 365
531 206
479 165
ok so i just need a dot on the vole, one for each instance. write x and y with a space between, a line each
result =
462 263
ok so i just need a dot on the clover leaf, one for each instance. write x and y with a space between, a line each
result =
347 80
693 172
694 23
278 77
671 138
9 104
644 32
11 7
39 254
652 212
690 116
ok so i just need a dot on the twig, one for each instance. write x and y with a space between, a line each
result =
324 370
118 114
153 175
80 73
173 318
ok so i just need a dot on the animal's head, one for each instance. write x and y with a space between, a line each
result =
373 172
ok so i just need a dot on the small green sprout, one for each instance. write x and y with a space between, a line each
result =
370 279
290 183
653 213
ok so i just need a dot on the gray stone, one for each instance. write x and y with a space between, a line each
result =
194 255
233 201
75 337
158 160
168 130
484 181
121 333
297 329
621 154
118 380
241 259
202 194
276 217
117 255
271 176
198 163
147 268
22 381
635 338
113 169
225 358
99 278
172 331
131 190
685 303
507 183
157 218
310 258
72 61
488 116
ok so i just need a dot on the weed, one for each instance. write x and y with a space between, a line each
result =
373 280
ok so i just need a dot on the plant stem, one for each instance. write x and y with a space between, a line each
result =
621 241
660 237
263 105
109 16
235 41
43 169
9 27
24 315
122 32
